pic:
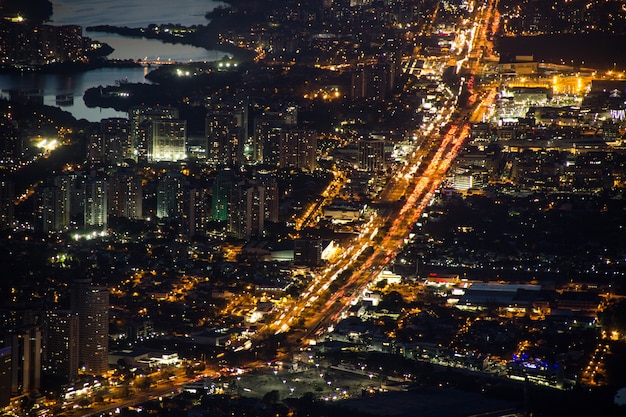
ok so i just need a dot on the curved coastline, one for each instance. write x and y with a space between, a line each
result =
202 36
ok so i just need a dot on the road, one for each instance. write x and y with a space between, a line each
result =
401 204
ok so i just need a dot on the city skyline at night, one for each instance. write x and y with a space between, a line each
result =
318 207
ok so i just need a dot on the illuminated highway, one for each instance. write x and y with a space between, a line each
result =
417 182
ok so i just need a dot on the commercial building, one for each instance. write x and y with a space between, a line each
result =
341 211
483 295
308 252
374 81
372 154
518 65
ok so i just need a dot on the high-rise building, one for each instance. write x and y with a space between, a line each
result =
115 133
298 148
170 195
246 213
91 303
72 184
226 129
47 208
10 142
95 203
374 81
125 194
63 347
270 183
7 196
5 376
168 140
52 210
307 252
95 148
26 349
140 119
197 211
222 186
372 154
268 126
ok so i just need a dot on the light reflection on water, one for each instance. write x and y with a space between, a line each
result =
73 85
118 13
135 13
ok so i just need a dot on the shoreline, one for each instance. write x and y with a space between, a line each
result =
70 67
201 36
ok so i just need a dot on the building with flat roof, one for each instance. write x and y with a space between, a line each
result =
91 302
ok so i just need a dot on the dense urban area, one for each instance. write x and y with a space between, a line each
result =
362 207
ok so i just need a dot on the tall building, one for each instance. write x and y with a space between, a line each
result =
197 211
170 195
268 126
270 183
374 81
307 252
372 154
5 376
91 303
168 140
95 148
226 129
140 119
115 133
26 349
125 194
222 186
63 344
52 211
10 142
73 184
7 196
95 202
298 149
246 213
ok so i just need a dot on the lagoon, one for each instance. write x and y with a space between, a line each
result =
134 13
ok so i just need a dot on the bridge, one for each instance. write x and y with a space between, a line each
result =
149 63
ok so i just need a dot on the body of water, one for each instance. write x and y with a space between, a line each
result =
72 87
134 14
137 13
